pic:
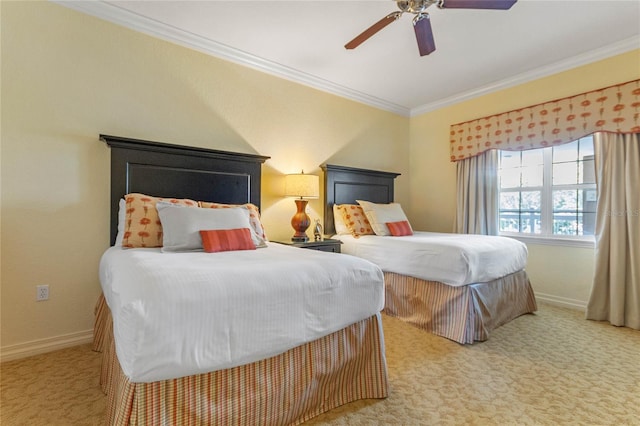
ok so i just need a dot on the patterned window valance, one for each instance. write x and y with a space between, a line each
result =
612 109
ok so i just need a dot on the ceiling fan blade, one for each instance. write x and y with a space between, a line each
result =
372 30
477 4
424 35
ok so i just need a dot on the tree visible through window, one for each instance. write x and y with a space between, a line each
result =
548 191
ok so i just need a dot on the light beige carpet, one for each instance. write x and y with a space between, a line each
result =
551 368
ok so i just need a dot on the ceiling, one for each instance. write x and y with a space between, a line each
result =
478 51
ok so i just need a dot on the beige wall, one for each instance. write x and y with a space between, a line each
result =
559 274
67 77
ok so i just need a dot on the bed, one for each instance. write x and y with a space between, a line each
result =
462 296
264 336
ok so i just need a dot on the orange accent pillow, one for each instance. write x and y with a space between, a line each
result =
399 229
217 240
254 215
142 227
355 220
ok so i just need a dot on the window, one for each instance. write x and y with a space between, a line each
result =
549 192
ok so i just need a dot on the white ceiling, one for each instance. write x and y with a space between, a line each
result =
478 51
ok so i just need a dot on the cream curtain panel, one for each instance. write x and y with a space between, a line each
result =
615 295
477 198
612 109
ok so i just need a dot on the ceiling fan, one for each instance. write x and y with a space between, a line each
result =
421 22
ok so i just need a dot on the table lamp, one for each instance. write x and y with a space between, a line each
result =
301 186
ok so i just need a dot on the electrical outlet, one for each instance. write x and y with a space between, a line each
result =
42 292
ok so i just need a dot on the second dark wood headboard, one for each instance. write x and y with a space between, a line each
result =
345 185
175 171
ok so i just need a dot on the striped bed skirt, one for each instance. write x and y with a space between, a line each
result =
464 314
286 389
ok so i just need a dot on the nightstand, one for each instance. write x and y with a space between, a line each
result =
332 246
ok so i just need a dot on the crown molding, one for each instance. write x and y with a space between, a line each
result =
117 15
175 35
618 48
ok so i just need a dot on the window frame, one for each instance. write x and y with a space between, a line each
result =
546 235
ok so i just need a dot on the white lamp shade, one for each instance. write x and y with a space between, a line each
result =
301 185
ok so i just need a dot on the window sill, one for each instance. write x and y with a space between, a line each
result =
566 242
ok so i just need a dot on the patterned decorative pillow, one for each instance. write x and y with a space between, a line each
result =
142 226
399 229
380 214
254 217
217 240
355 220
338 221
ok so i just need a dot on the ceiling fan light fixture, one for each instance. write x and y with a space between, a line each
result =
415 6
422 22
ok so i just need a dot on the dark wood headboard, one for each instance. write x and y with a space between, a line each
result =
345 185
175 171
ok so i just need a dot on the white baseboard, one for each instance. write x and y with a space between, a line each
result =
35 347
562 301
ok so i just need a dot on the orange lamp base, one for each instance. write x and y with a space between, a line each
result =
300 222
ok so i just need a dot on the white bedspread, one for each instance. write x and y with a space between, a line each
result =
179 314
454 259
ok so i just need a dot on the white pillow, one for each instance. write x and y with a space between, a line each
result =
181 225
380 214
338 222
122 213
